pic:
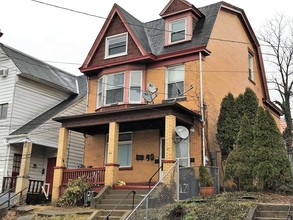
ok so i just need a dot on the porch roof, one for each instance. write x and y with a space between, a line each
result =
130 119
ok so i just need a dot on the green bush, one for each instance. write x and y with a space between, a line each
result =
74 193
205 178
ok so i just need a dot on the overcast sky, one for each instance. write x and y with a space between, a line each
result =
52 34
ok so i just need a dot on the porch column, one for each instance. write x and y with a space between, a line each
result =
112 166
170 146
22 182
60 164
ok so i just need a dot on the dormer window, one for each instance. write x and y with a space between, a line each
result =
177 30
116 45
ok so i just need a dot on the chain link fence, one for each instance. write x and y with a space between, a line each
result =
178 183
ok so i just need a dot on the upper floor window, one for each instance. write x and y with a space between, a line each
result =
177 30
175 81
3 110
250 66
116 45
135 86
123 87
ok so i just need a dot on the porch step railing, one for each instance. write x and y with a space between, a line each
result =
94 176
35 186
9 182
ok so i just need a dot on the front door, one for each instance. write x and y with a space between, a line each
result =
50 172
182 153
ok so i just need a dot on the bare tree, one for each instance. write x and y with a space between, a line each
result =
277 34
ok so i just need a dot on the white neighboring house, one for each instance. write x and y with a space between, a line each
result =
33 92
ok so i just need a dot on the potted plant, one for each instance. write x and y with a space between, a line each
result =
206 182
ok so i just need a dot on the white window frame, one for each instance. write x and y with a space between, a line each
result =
108 41
167 81
135 85
3 114
171 30
250 66
103 90
120 143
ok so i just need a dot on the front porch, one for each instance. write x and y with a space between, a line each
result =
128 142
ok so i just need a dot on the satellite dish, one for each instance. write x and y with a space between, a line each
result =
152 88
147 96
182 132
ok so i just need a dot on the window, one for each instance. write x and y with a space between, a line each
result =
250 67
175 81
16 164
135 86
3 110
116 45
110 89
177 30
124 149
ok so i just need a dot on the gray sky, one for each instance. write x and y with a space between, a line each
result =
52 34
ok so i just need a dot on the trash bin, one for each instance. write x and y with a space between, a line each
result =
88 196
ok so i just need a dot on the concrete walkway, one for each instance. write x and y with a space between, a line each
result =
26 212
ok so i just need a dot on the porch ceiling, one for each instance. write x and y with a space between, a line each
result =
130 119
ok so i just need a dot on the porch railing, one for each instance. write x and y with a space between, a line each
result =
94 176
35 186
9 182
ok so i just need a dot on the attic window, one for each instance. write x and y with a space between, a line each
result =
177 30
116 45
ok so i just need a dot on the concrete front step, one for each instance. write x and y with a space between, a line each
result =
117 200
272 212
115 215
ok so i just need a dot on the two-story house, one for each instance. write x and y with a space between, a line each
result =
146 79
32 92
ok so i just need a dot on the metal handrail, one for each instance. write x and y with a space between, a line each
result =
8 200
8 191
150 180
289 216
133 192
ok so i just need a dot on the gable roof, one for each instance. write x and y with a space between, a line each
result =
41 119
179 6
40 71
149 36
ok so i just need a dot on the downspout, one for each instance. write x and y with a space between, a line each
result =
202 111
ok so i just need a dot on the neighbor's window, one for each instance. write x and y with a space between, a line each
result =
124 149
116 45
177 30
250 67
175 81
3 110
135 86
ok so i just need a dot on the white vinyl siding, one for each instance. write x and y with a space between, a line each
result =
32 99
135 86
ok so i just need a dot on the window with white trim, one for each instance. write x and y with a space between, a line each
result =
250 67
124 149
175 81
3 110
116 45
110 89
177 30
135 86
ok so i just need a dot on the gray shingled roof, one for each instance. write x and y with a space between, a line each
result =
33 124
151 34
40 71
